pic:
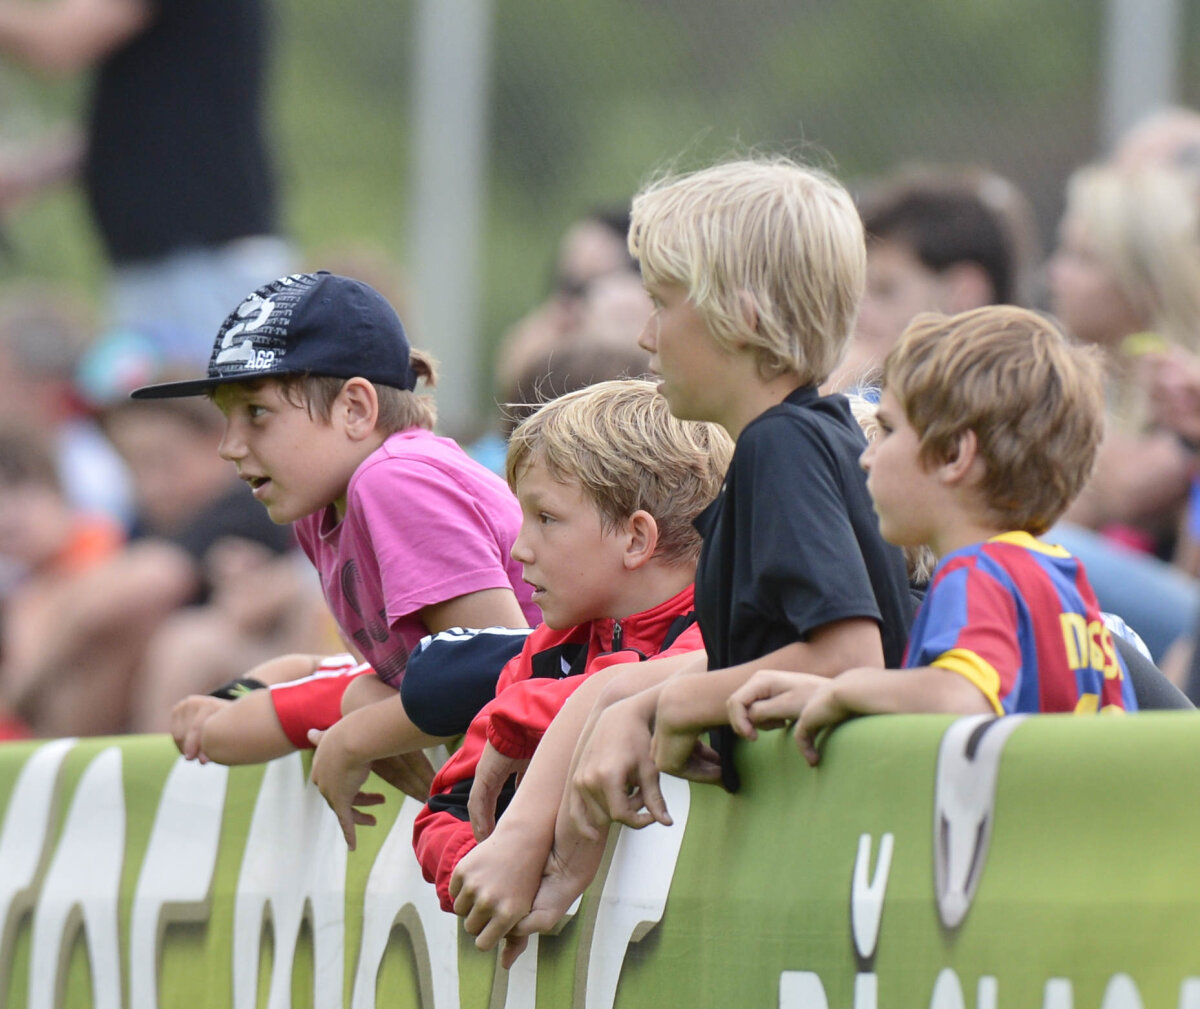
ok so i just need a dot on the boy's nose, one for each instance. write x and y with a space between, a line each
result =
232 448
648 338
864 460
519 551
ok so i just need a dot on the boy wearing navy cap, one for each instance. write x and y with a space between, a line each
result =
316 380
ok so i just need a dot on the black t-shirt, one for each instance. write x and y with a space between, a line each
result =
792 541
176 152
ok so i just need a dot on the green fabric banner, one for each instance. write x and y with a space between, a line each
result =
928 862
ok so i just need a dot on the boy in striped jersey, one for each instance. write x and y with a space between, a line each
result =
991 423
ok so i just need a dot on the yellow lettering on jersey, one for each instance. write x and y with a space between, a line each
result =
1088 704
1103 652
1075 638
1112 668
1089 645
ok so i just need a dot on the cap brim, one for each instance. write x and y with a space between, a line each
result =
177 390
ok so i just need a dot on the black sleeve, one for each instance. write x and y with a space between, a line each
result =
806 564
451 675
1154 692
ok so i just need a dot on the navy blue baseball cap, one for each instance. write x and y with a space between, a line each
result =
304 324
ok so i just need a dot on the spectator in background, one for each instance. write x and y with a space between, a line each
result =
1170 137
592 247
44 331
599 343
174 163
48 547
1126 277
938 239
194 522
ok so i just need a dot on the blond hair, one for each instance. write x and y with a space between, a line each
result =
1034 400
1143 224
770 252
620 443
399 409
918 560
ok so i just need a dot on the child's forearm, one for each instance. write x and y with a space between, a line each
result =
382 730
284 668
494 884
535 804
882 692
245 731
558 753
928 689
697 702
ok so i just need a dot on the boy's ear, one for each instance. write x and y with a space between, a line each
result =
960 464
642 542
357 408
749 310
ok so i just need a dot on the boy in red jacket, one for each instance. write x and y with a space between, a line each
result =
609 483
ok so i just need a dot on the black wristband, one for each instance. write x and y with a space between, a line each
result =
234 689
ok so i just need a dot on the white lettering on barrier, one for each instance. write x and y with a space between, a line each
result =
520 987
293 842
866 897
866 991
1121 993
635 893
866 913
1058 994
396 893
948 993
804 990
801 989
987 993
82 887
516 988
23 848
295 857
175 883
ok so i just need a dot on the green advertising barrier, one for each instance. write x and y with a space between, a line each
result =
928 862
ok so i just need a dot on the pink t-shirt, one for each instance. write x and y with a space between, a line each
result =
424 523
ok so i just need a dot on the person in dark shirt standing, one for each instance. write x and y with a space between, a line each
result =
175 163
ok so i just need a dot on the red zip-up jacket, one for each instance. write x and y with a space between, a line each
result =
532 688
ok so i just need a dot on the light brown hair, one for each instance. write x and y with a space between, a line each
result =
620 443
1034 400
399 409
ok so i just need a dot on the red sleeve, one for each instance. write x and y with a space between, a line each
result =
440 839
518 667
520 715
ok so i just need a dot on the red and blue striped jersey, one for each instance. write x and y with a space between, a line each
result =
1018 618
